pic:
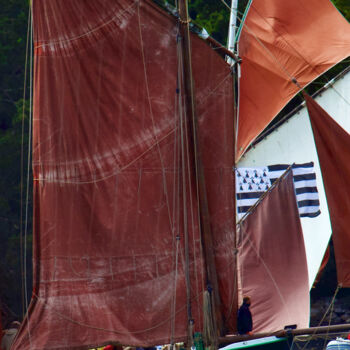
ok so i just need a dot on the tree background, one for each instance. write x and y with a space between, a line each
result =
15 209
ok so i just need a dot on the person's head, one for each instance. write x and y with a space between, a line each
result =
15 324
246 300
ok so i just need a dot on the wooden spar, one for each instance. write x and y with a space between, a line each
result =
287 333
218 47
206 233
235 126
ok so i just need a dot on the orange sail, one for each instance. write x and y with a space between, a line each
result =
284 45
323 265
114 189
272 261
333 145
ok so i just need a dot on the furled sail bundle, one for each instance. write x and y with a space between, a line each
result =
114 188
284 45
333 144
272 261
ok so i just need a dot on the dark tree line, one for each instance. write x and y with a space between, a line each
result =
13 38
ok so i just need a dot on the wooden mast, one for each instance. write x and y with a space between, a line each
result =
234 69
206 234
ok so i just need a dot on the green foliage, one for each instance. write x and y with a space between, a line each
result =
211 15
13 38
344 7
10 207
13 32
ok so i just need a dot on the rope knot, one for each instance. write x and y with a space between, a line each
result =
185 21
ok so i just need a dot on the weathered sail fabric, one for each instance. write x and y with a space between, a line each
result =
272 261
214 96
282 41
252 183
113 178
333 144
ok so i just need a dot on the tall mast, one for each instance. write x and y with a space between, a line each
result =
206 234
232 28
235 66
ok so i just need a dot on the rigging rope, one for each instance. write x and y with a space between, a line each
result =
274 58
173 311
165 187
189 177
275 126
184 152
22 164
28 167
176 208
330 310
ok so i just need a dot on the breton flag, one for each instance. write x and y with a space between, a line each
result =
252 183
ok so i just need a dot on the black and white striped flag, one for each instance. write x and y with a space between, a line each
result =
251 183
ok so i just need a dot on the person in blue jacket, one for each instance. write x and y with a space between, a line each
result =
244 318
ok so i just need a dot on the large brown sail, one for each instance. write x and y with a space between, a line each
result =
333 144
284 45
214 102
272 261
113 177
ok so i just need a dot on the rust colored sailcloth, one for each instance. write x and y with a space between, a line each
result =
333 144
113 178
272 262
214 103
282 41
324 263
